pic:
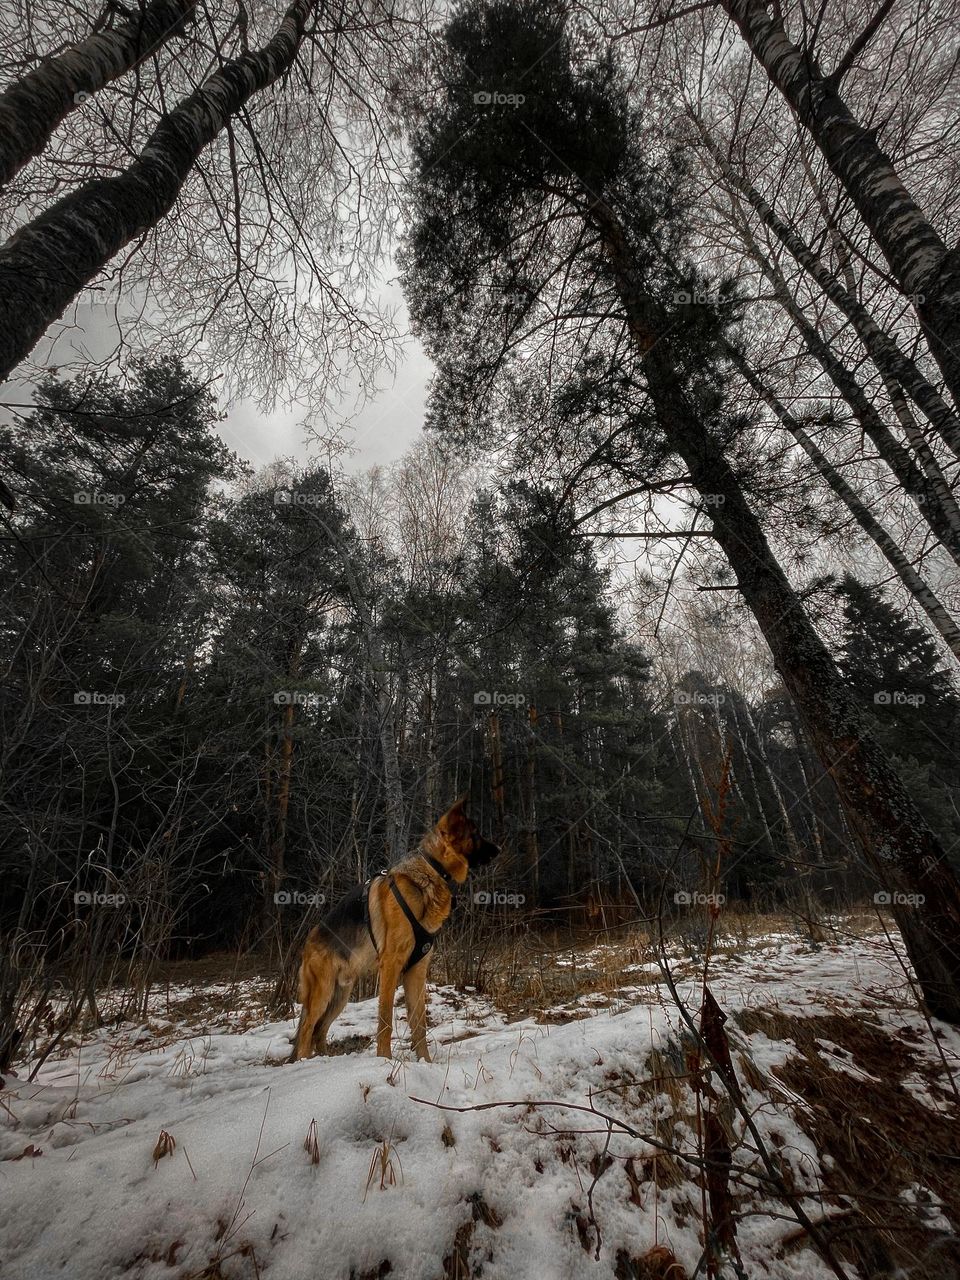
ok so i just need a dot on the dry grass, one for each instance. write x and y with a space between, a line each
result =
545 973
846 1082
882 1141
892 1162
457 1263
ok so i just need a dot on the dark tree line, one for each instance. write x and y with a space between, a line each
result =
563 224
226 694
221 699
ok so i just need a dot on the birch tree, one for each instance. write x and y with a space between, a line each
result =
558 204
223 177
926 269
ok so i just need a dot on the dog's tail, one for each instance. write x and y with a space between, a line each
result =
301 983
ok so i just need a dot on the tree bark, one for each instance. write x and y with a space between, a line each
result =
932 497
896 842
757 795
882 349
531 843
49 261
928 601
32 107
926 270
496 765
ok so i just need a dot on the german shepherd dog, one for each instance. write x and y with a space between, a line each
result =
388 923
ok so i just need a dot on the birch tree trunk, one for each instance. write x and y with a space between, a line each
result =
896 842
32 107
790 831
933 498
808 786
926 270
925 597
882 349
49 261
761 808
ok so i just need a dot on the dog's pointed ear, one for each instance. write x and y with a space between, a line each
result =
455 815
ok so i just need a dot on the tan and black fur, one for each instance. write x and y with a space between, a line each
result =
339 950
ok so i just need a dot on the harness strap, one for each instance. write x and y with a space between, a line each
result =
422 940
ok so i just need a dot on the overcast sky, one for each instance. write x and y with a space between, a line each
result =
380 432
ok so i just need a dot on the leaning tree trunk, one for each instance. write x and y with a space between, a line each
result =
902 851
32 107
926 270
928 601
933 498
49 261
882 349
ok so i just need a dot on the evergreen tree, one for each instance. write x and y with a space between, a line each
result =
101 622
893 665
560 210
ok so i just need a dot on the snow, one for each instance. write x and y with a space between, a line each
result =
397 1176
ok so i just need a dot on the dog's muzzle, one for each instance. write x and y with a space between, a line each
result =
484 853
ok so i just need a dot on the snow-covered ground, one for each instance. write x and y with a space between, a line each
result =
349 1166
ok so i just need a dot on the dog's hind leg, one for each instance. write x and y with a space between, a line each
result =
415 997
318 986
341 995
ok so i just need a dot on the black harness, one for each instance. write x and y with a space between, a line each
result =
422 938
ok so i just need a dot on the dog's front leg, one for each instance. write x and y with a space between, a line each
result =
415 995
389 977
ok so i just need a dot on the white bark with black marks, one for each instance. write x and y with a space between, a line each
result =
882 349
896 842
928 601
927 271
932 496
32 107
46 264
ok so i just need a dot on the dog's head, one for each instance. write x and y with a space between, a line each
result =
463 834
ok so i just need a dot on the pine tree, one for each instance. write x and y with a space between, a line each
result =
894 667
565 189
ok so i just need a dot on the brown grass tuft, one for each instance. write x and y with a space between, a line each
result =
658 1264
883 1142
166 1145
